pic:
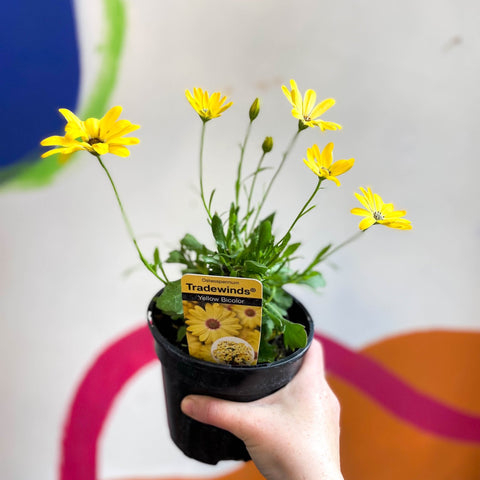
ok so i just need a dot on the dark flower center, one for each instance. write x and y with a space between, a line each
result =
377 216
249 312
212 324
93 141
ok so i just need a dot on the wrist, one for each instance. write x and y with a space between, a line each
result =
323 472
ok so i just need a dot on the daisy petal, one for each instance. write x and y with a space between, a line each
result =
109 119
341 166
100 148
359 211
309 102
326 157
70 117
322 107
55 140
119 150
366 223
125 141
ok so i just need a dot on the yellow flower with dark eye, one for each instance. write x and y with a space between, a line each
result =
321 163
212 323
250 317
97 136
206 105
305 109
376 211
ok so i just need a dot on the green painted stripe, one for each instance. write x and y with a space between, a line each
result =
32 171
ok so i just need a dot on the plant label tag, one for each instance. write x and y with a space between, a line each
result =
223 316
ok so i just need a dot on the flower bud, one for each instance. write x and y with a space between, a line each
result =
254 110
267 144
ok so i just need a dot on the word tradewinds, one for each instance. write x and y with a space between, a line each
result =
208 288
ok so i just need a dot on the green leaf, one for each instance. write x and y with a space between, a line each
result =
308 210
275 314
210 259
283 244
210 200
268 326
170 301
181 332
156 257
270 218
266 353
255 267
190 242
282 299
278 249
313 280
232 232
256 172
232 217
291 249
265 235
218 233
175 256
319 257
294 335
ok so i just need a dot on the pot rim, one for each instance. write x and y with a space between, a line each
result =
176 351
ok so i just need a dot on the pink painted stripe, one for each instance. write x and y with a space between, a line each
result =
398 397
94 398
125 357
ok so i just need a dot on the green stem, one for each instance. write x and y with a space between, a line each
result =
302 211
240 164
252 186
202 195
275 175
129 227
343 244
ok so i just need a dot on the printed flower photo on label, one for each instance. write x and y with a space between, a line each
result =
223 333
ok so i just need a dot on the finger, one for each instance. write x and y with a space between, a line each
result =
313 363
214 411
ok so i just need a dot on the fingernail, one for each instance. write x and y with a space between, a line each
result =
187 406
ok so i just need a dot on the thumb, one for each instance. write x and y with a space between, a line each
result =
215 411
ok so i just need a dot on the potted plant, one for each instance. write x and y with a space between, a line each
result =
262 339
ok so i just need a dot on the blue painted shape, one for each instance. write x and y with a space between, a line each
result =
39 73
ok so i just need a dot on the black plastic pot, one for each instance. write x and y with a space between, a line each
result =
184 375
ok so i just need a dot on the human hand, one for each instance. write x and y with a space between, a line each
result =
292 434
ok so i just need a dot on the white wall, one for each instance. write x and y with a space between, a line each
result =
405 77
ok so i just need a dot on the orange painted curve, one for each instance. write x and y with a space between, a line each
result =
436 370
247 471
376 444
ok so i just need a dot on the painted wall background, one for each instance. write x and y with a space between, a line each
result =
405 76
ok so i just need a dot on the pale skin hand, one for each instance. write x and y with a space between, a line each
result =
292 434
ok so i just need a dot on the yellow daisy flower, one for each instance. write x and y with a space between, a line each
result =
321 163
306 110
249 317
212 323
93 135
207 106
187 305
251 336
198 349
376 211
